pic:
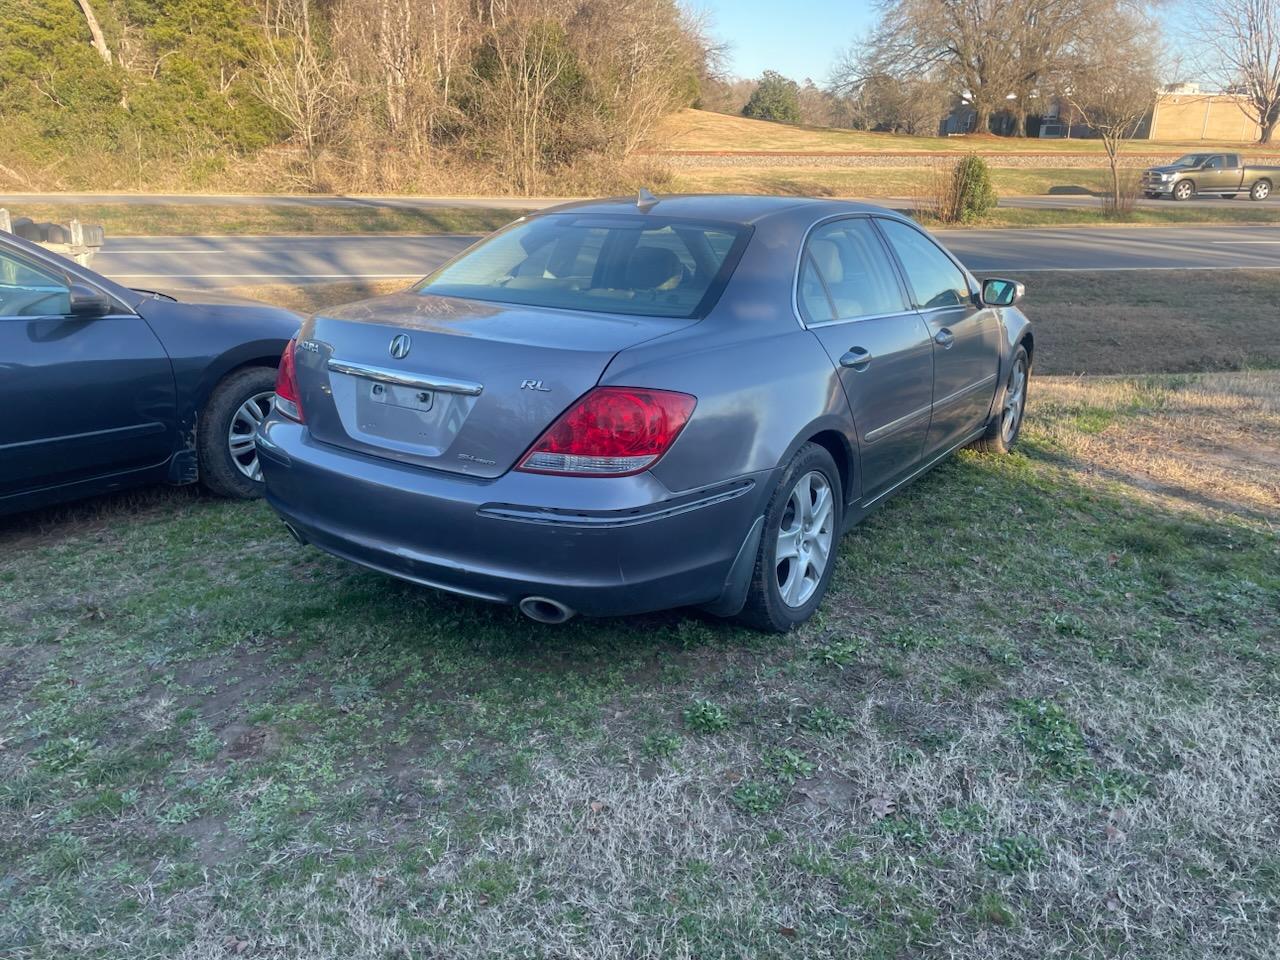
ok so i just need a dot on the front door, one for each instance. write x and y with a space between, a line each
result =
82 397
1218 174
965 336
853 302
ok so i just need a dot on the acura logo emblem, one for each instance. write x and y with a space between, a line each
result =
400 345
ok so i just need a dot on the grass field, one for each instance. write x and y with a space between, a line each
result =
703 131
180 220
832 181
1037 715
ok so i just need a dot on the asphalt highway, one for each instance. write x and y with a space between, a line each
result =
230 261
16 201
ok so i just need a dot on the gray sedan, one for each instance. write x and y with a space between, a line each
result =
615 407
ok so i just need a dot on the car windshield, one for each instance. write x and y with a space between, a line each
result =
633 264
1191 160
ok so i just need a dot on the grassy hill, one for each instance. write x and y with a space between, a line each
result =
703 131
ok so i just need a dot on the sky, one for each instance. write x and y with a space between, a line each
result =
797 38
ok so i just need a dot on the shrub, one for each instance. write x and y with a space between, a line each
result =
975 196
962 193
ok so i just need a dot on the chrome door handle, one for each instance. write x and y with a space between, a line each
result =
944 338
857 358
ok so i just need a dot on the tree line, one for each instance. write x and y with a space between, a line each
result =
509 95
1014 59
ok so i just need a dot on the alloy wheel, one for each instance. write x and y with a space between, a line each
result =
244 424
804 539
1015 399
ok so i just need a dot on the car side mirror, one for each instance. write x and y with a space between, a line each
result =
87 302
1001 293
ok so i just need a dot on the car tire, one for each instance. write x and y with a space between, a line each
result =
1011 406
229 466
1183 190
811 477
1260 190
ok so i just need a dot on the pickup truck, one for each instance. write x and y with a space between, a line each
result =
1213 174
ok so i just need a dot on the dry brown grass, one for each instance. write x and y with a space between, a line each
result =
701 130
310 297
1204 441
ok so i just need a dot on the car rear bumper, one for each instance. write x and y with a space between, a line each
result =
600 546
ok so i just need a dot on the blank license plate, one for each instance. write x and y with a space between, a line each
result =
395 395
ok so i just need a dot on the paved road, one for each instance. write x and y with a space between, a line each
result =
15 201
227 261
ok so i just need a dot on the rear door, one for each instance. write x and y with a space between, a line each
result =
1233 172
81 397
852 300
965 336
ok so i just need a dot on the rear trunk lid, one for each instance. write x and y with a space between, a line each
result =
459 385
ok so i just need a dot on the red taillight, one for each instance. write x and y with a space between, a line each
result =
287 401
611 432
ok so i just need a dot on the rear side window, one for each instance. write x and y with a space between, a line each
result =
845 273
934 278
640 264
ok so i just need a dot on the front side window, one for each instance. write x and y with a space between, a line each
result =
639 264
845 273
1213 163
28 291
935 280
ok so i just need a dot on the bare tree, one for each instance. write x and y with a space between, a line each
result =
1111 79
296 79
970 41
98 40
874 96
1241 41
1041 34
643 58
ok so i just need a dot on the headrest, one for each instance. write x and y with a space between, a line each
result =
826 255
653 268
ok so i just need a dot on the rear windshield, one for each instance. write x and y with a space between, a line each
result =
641 264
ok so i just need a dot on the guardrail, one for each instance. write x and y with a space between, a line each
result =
73 239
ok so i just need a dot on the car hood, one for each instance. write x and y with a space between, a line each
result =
1167 168
211 297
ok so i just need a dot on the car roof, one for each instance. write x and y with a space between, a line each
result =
735 208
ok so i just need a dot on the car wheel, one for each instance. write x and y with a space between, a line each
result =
1184 190
798 547
1006 423
1260 190
228 458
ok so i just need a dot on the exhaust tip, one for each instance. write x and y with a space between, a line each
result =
545 610
293 532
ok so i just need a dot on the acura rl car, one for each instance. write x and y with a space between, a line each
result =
103 387
621 406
